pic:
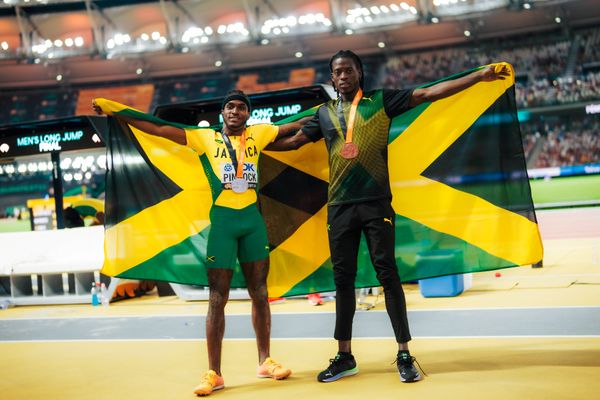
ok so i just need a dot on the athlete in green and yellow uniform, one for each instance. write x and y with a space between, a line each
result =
230 161
355 127
247 238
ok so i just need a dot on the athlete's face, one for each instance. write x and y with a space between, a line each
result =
235 114
345 75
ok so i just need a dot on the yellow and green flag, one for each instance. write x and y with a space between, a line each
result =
457 173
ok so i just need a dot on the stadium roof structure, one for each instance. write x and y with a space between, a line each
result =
76 42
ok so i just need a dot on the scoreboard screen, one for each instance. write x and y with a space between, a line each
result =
50 136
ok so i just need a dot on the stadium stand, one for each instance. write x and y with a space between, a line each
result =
563 142
589 52
137 96
177 90
542 77
36 105
562 90
531 61
541 61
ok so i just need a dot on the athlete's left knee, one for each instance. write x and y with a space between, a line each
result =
258 291
388 276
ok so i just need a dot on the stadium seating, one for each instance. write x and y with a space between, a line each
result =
551 70
563 142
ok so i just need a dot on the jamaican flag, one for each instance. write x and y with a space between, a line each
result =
458 178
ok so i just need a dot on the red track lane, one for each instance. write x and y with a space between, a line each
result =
570 223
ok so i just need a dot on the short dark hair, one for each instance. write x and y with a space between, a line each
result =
236 94
354 57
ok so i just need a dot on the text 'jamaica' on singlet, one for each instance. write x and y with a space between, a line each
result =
218 166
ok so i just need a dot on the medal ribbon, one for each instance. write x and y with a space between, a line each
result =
239 167
347 130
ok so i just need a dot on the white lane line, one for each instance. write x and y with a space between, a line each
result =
5 342
297 313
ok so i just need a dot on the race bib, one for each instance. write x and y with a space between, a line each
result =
249 174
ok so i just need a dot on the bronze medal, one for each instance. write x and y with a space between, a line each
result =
349 151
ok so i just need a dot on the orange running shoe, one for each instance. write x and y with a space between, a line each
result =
315 299
210 382
271 369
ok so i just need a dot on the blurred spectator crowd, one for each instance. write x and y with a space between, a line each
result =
533 62
564 141
562 90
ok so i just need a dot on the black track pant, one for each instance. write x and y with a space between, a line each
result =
346 223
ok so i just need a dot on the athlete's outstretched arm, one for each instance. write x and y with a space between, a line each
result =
167 131
448 88
292 142
292 127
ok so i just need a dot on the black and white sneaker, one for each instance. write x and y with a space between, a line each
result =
342 365
406 368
